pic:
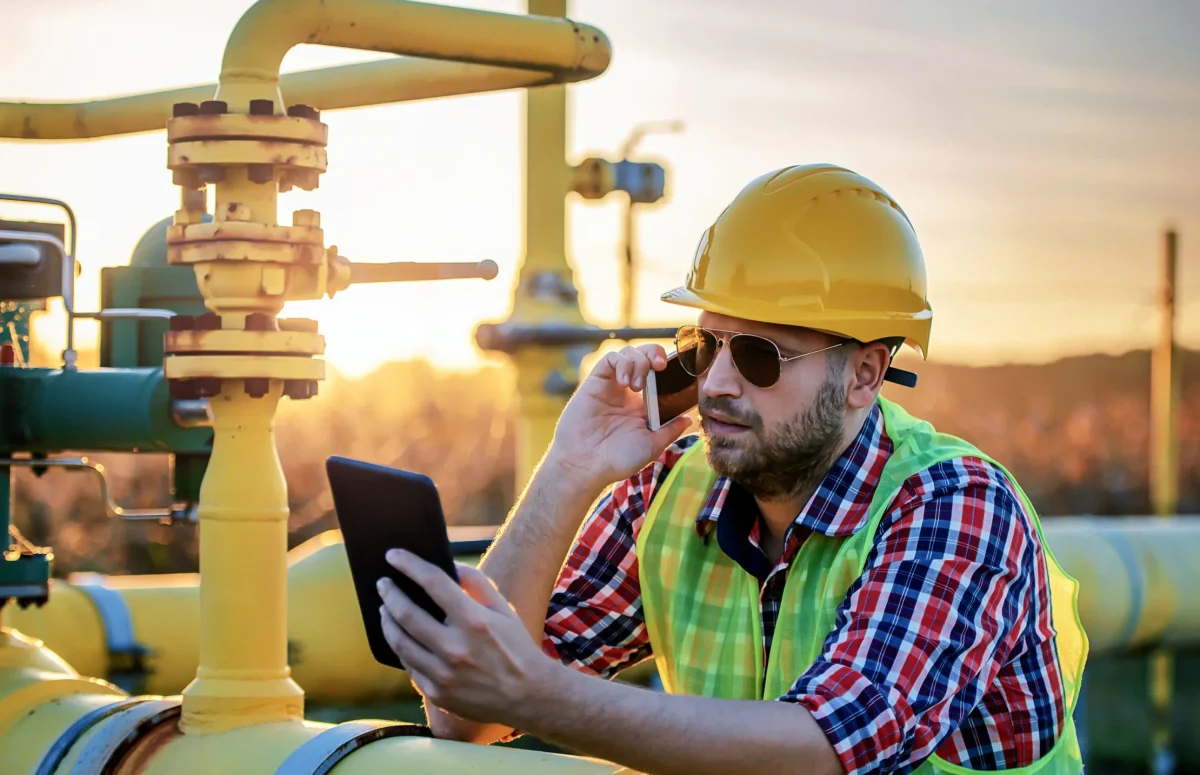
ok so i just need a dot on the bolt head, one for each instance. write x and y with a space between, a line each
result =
181 323
300 389
306 218
262 107
260 321
181 109
257 387
213 107
304 111
261 173
187 217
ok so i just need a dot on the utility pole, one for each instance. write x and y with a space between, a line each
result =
1165 391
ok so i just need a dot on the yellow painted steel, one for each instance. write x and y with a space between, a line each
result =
40 695
378 82
243 710
328 650
546 284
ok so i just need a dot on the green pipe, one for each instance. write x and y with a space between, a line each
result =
103 410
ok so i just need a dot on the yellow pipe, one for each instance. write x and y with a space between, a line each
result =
271 28
546 284
40 695
243 677
1134 577
329 653
379 82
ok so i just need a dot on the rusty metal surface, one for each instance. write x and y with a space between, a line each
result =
139 758
290 155
117 734
65 741
234 341
240 250
248 231
248 126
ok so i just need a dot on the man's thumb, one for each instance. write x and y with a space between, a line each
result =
673 430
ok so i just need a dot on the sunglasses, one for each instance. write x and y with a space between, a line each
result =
756 358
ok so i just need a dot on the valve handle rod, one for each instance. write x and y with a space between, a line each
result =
409 271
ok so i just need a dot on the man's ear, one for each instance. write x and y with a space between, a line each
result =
867 364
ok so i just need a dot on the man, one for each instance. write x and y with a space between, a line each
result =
825 583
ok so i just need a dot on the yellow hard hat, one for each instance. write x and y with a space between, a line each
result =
816 246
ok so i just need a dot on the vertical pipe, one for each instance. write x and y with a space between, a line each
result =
546 289
1165 390
627 237
243 677
1164 483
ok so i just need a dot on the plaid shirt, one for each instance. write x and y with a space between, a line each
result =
944 645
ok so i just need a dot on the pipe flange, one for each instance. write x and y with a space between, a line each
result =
309 131
63 743
322 753
249 231
121 731
243 342
243 366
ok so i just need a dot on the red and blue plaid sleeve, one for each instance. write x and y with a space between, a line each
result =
594 621
947 610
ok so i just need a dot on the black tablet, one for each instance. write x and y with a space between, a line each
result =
380 508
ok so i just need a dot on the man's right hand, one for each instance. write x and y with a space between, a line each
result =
602 435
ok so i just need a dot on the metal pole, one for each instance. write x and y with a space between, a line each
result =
1165 390
1164 485
627 236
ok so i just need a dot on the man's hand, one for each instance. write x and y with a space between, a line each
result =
480 662
482 665
602 434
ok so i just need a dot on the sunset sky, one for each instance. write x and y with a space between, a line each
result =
1039 149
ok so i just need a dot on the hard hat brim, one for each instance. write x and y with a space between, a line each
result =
917 339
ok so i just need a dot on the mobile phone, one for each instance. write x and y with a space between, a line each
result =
380 508
669 393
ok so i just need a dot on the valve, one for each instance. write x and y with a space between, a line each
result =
644 182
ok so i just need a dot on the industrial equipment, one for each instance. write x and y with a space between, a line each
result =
223 370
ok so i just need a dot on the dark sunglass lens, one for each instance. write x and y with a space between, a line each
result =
696 348
756 359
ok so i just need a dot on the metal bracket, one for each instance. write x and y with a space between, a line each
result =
63 743
68 279
185 513
121 732
322 753
126 656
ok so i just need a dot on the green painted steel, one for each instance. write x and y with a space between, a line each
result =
148 282
118 410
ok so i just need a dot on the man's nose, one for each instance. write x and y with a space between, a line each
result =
722 378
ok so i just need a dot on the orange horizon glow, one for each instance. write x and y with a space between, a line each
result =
1039 152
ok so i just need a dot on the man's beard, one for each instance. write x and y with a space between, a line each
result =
792 457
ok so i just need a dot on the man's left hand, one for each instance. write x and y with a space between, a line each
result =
480 663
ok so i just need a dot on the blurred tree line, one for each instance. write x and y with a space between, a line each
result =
1075 433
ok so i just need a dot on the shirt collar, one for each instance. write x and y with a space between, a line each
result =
841 504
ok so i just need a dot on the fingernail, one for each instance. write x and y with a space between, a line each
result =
637 382
380 586
393 555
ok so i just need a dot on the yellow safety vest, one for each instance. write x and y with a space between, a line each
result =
702 609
